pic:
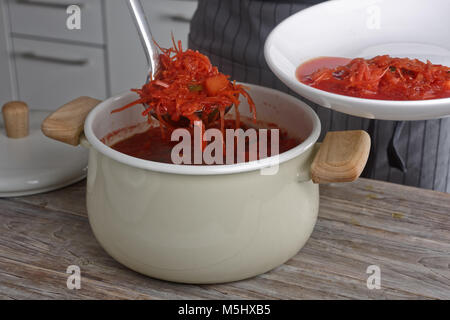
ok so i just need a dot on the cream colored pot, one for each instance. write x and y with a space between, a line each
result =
207 224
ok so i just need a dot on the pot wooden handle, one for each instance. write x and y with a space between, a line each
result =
66 124
341 157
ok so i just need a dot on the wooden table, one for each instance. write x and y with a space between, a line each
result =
405 231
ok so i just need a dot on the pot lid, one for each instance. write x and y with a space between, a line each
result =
37 164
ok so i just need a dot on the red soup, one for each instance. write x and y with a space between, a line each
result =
382 77
152 145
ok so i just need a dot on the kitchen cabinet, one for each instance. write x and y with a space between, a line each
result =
47 18
46 65
6 81
50 74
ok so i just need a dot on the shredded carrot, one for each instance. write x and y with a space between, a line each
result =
384 77
180 89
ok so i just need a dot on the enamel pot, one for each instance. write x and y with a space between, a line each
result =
206 224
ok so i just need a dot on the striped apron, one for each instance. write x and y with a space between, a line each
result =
232 34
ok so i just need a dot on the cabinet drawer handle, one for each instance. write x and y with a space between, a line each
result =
44 3
177 18
37 57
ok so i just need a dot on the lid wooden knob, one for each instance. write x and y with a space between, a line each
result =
15 117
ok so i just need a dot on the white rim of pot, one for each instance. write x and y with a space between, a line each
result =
205 169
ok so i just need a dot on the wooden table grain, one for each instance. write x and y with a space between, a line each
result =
404 231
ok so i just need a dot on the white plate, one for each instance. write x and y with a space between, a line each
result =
36 163
364 28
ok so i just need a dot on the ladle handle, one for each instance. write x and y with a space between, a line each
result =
145 35
67 123
342 157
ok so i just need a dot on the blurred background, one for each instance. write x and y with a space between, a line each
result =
45 64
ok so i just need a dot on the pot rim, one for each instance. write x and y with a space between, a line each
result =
204 169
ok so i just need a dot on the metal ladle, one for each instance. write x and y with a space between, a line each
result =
152 55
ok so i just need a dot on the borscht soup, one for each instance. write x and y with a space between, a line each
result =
382 77
190 99
154 144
